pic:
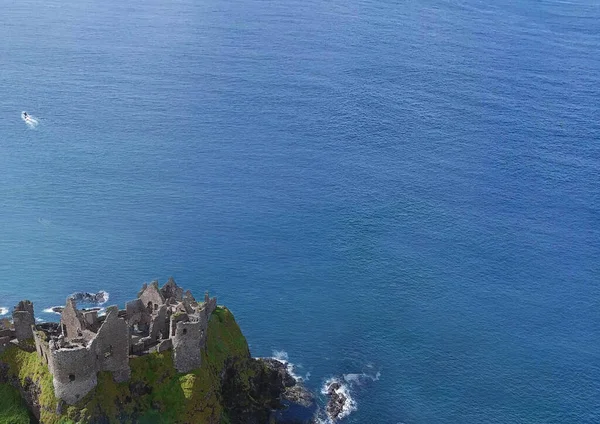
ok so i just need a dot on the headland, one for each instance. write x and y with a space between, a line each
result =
165 357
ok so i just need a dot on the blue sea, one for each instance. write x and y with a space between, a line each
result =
400 195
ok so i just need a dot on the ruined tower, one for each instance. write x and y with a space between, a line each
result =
23 320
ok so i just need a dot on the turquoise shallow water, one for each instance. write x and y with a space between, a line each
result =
404 194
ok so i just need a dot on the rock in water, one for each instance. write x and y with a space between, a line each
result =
298 404
86 297
337 401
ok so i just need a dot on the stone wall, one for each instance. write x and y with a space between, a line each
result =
175 318
91 319
151 297
23 320
74 372
43 349
111 346
172 290
6 335
210 306
187 343
158 326
72 321
137 315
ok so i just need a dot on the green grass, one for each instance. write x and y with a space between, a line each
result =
156 393
12 408
25 365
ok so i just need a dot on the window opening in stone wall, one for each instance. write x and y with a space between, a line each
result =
184 331
72 377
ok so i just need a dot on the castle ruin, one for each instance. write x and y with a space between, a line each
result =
85 343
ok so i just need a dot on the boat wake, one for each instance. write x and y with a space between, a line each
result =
31 121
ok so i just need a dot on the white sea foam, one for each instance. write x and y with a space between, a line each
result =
50 311
3 311
344 390
282 356
349 384
360 378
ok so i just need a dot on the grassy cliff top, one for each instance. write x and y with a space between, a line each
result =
156 393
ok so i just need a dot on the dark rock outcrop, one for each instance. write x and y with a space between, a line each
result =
263 391
86 297
337 401
297 403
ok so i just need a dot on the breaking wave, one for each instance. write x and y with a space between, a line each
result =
3 311
345 388
282 356
348 385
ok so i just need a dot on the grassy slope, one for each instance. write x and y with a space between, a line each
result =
12 408
156 393
27 365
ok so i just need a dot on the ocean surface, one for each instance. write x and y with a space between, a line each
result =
401 195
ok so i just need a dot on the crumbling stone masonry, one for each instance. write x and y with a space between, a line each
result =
7 333
23 320
85 343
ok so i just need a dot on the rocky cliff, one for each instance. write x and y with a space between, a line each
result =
229 387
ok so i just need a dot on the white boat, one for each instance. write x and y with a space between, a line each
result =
28 119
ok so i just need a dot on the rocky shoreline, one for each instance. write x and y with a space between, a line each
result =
298 404
210 378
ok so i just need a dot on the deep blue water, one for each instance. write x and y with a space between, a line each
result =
404 188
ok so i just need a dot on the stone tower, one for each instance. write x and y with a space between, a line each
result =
23 320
